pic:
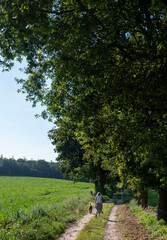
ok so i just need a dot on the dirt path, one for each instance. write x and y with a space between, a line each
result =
73 229
130 227
127 228
112 231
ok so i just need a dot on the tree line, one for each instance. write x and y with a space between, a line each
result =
30 168
99 67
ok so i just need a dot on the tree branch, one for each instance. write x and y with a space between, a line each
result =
90 13
56 12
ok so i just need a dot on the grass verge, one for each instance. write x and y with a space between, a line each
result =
157 229
94 230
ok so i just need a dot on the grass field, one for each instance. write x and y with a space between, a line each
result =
40 208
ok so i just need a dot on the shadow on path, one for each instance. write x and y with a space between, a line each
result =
112 231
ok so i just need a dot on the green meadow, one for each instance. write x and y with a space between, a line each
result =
40 208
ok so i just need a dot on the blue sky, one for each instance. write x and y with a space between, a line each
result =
21 133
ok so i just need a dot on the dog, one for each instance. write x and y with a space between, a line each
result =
90 207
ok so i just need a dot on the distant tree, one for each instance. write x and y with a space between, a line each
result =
33 168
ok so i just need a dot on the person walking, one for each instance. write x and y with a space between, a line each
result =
98 203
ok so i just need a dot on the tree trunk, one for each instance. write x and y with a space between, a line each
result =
162 204
144 201
101 180
143 198
96 186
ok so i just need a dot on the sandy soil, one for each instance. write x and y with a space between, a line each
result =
112 231
73 229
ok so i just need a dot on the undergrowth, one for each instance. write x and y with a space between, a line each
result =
156 228
44 222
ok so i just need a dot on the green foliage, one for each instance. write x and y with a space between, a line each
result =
33 214
70 152
127 195
108 190
135 209
31 168
100 66
77 160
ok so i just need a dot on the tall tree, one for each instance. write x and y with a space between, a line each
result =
103 58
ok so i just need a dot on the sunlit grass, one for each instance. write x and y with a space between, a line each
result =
40 206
